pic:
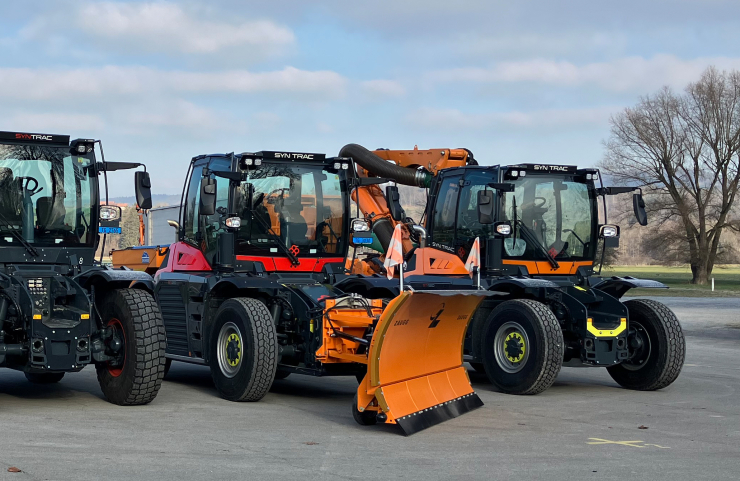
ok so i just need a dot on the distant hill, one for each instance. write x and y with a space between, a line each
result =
158 200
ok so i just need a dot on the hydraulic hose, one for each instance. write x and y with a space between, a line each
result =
381 168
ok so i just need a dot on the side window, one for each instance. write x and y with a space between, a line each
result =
210 226
468 226
190 220
444 212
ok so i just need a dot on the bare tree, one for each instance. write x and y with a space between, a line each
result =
684 149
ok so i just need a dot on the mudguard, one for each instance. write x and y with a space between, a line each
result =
116 277
618 286
415 373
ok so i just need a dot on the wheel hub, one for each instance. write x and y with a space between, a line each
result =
514 347
640 347
233 350
511 347
230 349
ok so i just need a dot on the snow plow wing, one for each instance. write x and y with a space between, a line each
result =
415 374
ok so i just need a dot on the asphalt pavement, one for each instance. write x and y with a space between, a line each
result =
584 427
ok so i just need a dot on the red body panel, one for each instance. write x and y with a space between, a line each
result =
185 258
282 264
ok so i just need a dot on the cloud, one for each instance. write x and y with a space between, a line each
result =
42 84
53 122
377 89
457 120
164 27
625 74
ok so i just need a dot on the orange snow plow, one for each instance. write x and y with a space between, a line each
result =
415 377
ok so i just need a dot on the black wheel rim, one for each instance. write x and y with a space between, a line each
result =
640 353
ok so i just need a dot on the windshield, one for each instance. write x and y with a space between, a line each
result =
301 207
553 213
45 196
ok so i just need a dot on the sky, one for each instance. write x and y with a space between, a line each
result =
527 81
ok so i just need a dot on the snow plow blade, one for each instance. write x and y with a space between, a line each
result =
415 374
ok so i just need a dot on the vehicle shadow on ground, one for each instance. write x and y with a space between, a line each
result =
568 379
14 384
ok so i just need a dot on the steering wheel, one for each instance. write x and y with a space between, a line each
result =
26 185
467 221
278 193
540 205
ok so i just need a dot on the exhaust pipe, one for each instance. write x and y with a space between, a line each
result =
381 168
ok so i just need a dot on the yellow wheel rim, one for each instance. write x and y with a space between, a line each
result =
515 347
233 350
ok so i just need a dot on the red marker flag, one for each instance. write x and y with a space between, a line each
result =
394 255
473 258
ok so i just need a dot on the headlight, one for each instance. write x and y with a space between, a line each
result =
109 212
503 229
360 225
609 231
233 222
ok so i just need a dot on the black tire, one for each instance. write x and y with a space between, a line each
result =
137 381
666 348
167 366
366 418
536 351
245 367
478 367
44 377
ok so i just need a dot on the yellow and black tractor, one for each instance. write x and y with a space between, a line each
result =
538 229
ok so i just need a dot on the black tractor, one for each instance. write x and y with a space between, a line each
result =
539 230
59 309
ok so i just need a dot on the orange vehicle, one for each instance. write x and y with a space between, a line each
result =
538 229
248 289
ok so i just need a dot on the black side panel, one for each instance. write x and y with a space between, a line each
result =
173 312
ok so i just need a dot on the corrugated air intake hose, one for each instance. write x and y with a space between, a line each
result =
382 168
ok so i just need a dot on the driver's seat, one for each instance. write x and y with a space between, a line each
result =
49 214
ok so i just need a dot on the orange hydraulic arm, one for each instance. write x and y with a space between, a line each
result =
412 167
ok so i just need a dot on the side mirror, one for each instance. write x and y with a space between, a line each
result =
207 204
393 198
143 188
638 205
485 206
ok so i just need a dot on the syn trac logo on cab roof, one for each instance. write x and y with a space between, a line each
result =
293 156
33 137
560 168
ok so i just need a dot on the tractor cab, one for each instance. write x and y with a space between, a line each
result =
532 219
264 212
59 310
554 219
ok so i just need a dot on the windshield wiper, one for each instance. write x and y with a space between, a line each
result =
31 249
293 259
532 237
534 240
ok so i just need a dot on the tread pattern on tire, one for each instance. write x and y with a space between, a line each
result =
554 346
151 342
676 349
265 349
